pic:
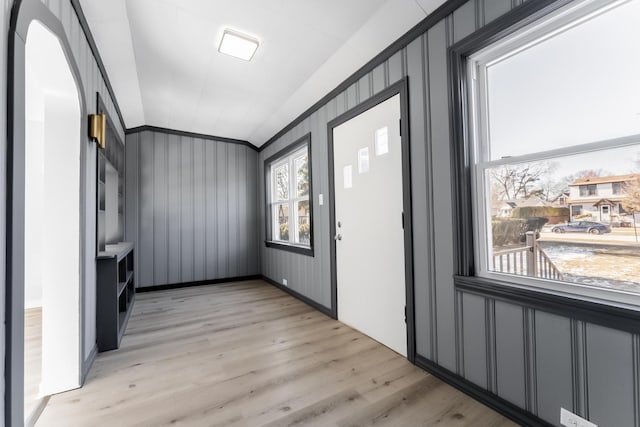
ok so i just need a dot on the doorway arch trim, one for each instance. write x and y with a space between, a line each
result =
23 13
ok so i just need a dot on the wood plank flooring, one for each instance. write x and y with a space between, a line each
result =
248 354
32 358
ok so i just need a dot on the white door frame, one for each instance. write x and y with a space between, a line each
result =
22 15
401 88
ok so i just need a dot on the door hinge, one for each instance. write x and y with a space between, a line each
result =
405 314
400 126
403 220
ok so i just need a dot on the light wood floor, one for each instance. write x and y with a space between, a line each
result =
247 354
32 358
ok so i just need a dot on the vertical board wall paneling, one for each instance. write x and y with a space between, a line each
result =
474 332
537 361
636 376
145 244
132 195
92 82
222 215
610 363
419 129
174 261
160 207
186 212
510 357
464 21
210 212
4 25
232 209
554 374
495 8
438 40
197 218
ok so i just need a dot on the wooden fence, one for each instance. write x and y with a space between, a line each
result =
529 260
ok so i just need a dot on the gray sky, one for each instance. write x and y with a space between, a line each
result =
592 75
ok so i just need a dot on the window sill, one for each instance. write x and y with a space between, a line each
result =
606 313
302 250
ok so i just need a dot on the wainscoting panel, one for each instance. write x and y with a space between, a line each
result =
554 368
509 362
610 366
474 333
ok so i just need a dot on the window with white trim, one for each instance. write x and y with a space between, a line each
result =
289 192
555 109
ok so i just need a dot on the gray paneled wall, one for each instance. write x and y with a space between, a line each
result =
191 208
533 359
5 9
93 82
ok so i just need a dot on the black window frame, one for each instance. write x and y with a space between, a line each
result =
305 140
625 317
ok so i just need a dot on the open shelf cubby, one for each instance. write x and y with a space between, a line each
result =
115 294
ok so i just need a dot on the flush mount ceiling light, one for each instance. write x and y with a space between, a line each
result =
238 45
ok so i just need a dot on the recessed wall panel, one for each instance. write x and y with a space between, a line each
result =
610 379
510 352
553 362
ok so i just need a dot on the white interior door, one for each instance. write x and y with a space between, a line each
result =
369 231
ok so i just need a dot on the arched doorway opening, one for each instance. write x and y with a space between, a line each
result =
52 220
46 231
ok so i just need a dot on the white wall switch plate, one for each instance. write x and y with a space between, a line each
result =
569 419
284 282
320 199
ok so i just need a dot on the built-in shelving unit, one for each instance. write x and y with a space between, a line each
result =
102 198
111 186
115 294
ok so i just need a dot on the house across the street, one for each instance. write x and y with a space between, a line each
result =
600 198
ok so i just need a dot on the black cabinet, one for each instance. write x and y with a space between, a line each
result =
115 294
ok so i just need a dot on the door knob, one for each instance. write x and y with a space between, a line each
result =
337 237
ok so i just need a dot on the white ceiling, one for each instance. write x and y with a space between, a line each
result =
161 57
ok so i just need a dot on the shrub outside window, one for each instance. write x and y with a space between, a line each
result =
288 175
545 125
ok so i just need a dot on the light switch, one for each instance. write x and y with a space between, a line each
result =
320 199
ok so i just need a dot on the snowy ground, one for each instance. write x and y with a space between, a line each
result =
610 261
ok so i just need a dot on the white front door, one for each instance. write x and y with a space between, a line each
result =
605 213
370 255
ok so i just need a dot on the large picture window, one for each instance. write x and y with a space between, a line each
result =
289 201
555 131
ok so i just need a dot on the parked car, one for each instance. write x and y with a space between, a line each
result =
582 227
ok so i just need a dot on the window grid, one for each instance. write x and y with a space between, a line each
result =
292 200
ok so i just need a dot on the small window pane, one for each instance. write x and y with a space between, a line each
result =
590 240
289 200
617 188
302 175
303 221
281 215
282 182
579 86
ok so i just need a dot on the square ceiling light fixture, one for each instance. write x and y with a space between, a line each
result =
238 45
